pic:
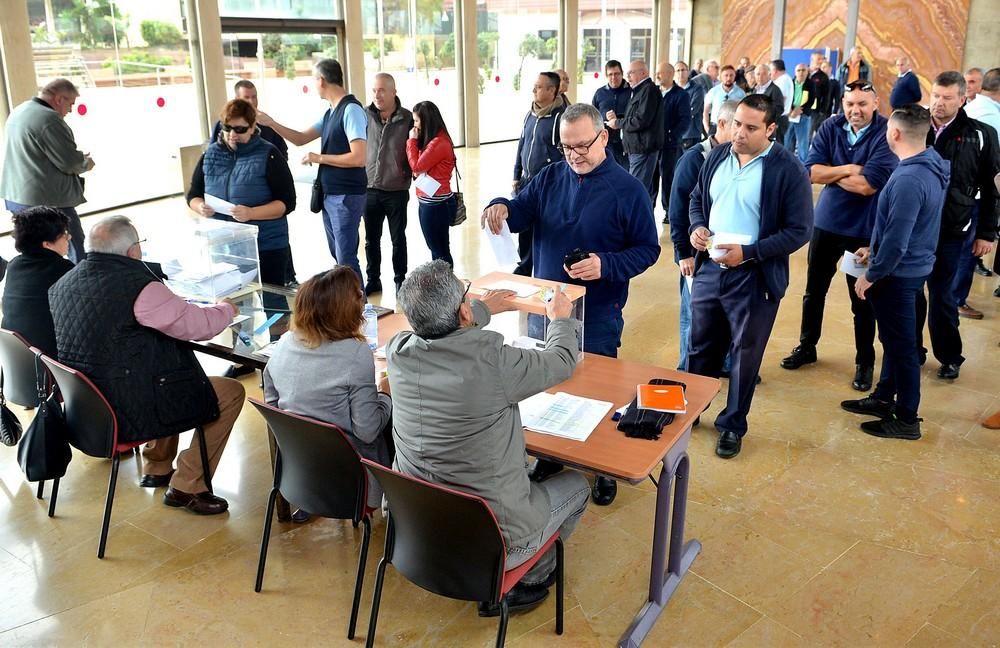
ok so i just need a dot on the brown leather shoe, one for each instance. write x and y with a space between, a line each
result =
993 422
200 503
968 311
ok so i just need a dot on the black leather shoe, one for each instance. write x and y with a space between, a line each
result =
863 377
892 428
235 371
800 355
729 444
981 268
373 287
155 481
604 491
996 293
868 406
200 503
948 371
520 597
543 469
301 516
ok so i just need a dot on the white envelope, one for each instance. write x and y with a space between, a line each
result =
850 265
426 184
727 238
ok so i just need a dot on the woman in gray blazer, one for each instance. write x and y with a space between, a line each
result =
323 368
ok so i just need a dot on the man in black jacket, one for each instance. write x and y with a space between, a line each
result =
821 85
974 153
642 127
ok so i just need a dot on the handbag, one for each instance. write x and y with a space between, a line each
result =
316 199
44 452
10 427
460 213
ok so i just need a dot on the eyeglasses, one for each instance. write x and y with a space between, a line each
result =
139 242
579 149
465 293
863 86
239 130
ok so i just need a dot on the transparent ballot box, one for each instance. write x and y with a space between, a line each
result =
208 259
527 325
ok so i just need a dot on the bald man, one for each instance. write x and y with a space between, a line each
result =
676 121
907 88
642 127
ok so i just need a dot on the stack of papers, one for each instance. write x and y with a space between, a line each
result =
563 415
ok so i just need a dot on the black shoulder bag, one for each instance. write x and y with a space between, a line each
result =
44 452
10 427
460 214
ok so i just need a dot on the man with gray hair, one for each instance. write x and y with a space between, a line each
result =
642 127
343 133
455 390
590 206
42 165
116 322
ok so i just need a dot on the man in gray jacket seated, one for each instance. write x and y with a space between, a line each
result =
456 422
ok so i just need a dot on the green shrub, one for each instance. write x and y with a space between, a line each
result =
158 33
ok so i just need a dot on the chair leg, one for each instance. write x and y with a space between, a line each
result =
362 560
376 597
504 615
107 506
268 516
41 489
205 466
559 586
52 498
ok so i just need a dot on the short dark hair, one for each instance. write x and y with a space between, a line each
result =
431 123
612 63
243 83
913 119
991 80
37 225
328 307
727 67
761 103
236 109
778 64
553 78
330 70
951 78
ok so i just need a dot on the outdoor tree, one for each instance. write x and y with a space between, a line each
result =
96 22
486 45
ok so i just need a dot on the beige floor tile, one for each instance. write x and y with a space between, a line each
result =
767 632
933 637
576 632
872 595
973 614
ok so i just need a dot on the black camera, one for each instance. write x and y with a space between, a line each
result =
575 256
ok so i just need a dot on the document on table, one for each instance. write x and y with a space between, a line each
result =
426 184
726 238
503 245
852 266
219 205
563 415
519 289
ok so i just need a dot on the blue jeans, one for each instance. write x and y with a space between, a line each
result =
894 301
342 222
799 133
435 220
76 253
643 167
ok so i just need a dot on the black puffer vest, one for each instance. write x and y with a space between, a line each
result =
155 384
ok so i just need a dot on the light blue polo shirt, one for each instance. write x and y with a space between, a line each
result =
853 138
735 194
355 123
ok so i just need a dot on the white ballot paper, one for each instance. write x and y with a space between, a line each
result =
563 415
518 288
726 238
219 205
503 245
852 266
426 184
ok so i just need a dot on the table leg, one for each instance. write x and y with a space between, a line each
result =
669 562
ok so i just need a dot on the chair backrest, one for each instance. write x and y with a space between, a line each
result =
446 541
90 420
18 363
320 471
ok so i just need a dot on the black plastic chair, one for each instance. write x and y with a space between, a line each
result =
316 467
449 543
92 428
17 362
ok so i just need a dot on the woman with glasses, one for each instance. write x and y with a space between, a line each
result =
430 152
323 368
41 235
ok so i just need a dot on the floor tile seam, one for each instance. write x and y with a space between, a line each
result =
550 623
150 533
17 558
728 593
764 618
928 624
917 464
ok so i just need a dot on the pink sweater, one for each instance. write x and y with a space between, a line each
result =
159 308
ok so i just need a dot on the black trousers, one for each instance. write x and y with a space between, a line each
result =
379 207
893 300
825 252
668 162
939 309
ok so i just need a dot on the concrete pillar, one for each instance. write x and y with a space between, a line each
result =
661 33
778 29
354 49
851 27
205 37
569 42
467 64
18 74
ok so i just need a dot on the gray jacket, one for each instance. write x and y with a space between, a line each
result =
387 166
42 165
456 419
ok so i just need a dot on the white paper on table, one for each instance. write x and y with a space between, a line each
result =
563 415
219 205
794 120
519 289
851 266
727 238
503 245
426 184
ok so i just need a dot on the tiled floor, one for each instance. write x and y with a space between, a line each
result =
815 535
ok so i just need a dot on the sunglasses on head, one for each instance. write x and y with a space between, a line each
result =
239 130
863 86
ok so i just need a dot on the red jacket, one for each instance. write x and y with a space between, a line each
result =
436 160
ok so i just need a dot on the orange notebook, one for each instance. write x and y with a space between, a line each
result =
662 398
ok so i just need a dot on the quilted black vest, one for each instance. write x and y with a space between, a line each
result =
153 382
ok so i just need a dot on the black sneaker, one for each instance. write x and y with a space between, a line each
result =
799 356
892 428
520 597
372 288
869 406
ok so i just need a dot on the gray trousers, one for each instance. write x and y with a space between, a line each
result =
568 493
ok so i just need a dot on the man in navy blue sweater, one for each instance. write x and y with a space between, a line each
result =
760 193
612 101
592 203
676 120
900 258
907 88
851 157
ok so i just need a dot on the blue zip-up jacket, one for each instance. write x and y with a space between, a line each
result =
786 213
607 98
606 211
696 96
685 179
906 91
908 222
838 210
676 116
539 142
